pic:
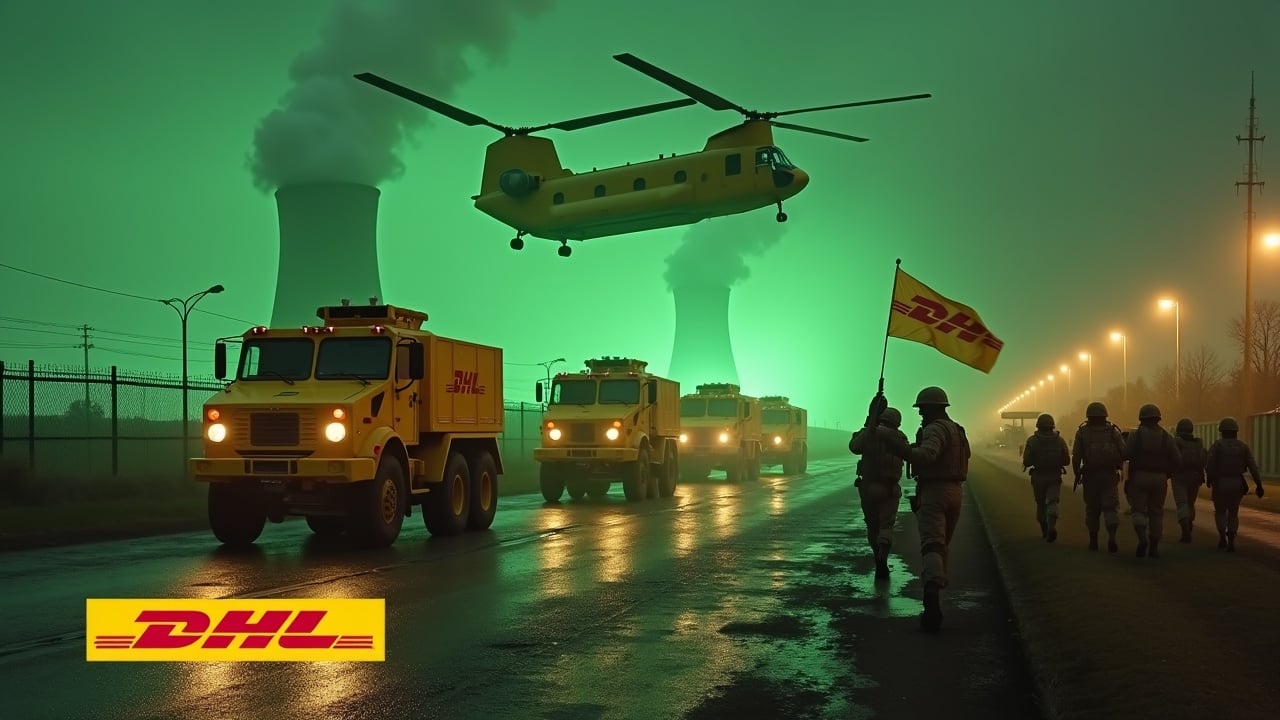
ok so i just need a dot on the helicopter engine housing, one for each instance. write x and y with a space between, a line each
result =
518 183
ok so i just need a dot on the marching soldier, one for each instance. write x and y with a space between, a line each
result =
1153 459
940 463
1229 458
878 483
1190 475
1097 454
1047 455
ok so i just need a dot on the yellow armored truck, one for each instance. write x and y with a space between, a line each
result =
720 430
786 434
351 423
614 420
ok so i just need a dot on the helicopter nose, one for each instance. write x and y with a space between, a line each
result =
792 180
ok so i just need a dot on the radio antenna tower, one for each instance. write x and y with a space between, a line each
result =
1250 182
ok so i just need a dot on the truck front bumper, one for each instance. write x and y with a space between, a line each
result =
709 452
585 454
328 470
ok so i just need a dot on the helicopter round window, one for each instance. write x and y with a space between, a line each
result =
599 191
638 184
557 199
681 176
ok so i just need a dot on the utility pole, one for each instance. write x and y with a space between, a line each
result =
1250 182
84 343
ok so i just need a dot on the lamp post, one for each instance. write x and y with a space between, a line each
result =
184 308
1166 304
1065 369
1053 392
1088 357
547 366
1124 360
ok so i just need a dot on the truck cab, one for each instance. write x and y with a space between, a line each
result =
785 428
720 430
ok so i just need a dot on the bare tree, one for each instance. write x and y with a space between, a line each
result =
1203 377
1264 356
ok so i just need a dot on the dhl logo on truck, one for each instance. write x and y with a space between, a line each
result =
227 631
931 312
464 383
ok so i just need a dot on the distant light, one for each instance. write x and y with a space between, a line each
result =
1272 240
1117 336
1167 304
1084 356
1064 368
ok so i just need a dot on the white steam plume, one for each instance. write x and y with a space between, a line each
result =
714 252
332 127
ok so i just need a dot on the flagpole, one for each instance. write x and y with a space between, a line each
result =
884 354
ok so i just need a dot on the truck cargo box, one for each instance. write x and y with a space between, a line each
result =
465 387
667 419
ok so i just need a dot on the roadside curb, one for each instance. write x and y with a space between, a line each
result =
1027 632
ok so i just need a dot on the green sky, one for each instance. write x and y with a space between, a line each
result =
1077 159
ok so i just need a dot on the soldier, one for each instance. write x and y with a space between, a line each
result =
1229 457
1097 454
878 483
1189 477
940 463
1153 459
1047 455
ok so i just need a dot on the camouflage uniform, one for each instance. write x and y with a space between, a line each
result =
879 488
1189 477
1047 455
1229 458
1100 473
1153 459
940 463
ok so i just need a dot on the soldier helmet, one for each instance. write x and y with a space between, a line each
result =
1044 422
1228 425
1149 412
932 396
1096 410
1185 427
891 417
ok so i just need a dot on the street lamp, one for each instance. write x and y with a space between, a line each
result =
1053 397
1166 304
1065 369
184 308
1088 357
547 366
1124 360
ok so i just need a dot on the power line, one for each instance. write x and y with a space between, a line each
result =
164 342
116 292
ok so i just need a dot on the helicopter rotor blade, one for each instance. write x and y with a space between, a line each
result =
704 96
852 104
816 131
614 116
429 102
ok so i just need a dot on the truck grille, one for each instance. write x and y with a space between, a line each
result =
274 429
582 433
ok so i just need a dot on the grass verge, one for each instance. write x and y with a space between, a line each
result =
1120 636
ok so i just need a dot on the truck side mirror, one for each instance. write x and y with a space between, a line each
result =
220 360
537 391
417 362
653 391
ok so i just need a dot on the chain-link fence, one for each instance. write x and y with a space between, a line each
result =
61 422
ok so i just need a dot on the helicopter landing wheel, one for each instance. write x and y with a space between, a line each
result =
564 250
517 242
782 217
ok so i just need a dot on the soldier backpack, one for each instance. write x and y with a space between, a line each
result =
1194 455
1100 449
1046 453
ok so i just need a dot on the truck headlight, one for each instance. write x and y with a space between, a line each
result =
611 433
777 439
724 437
554 433
335 432
217 432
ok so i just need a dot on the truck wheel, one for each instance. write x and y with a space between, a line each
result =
448 505
236 515
375 509
670 473
804 458
598 489
753 466
326 525
484 492
738 470
551 482
576 488
636 483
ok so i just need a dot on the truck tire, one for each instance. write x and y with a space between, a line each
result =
375 508
236 514
326 525
753 465
804 458
670 474
635 484
738 469
551 482
599 489
484 492
576 487
448 505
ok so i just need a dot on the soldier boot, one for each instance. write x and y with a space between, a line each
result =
1111 538
1186 531
1093 540
882 561
1222 541
1044 529
1231 542
1154 551
931 618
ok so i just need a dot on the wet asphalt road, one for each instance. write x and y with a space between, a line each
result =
751 601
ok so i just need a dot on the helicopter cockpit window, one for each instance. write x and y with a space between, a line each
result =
764 156
780 160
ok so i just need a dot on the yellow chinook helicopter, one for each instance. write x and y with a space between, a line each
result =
525 186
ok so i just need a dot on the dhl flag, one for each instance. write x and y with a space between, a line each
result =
920 314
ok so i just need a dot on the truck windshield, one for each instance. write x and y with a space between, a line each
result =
276 359
573 392
620 392
693 407
349 358
776 417
722 407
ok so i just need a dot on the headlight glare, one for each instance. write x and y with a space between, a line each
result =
554 433
217 432
335 432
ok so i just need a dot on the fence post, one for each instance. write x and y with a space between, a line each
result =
31 414
1 407
115 425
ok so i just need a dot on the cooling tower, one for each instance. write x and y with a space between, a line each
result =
328 249
701 352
